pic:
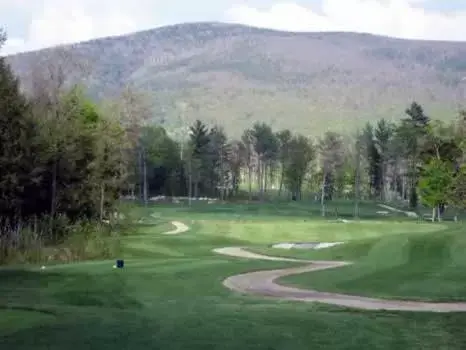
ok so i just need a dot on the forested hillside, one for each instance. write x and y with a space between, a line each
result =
234 75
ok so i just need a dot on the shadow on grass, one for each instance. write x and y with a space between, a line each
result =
75 289
27 309
294 210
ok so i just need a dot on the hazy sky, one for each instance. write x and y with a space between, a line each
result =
33 24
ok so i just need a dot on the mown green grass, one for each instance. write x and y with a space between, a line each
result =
425 266
14 319
170 296
275 231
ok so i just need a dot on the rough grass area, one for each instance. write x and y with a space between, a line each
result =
170 295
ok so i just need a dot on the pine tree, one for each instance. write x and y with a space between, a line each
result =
18 174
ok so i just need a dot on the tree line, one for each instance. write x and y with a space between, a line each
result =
66 160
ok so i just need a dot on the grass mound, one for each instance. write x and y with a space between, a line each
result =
414 267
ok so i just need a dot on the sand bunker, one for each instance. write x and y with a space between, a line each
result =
306 245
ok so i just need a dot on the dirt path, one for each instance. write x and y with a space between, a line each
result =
241 253
263 283
408 213
179 228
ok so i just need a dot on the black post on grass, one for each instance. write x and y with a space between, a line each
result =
120 263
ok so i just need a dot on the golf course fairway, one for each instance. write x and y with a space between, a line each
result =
171 292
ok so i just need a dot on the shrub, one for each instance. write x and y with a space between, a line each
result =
45 240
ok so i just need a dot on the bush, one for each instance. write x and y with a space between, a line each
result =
45 240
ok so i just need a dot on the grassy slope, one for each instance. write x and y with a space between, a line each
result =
236 75
419 267
170 297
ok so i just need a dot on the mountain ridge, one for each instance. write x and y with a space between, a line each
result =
234 75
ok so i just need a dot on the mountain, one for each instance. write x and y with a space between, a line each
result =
235 75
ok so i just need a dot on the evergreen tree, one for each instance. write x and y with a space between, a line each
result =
18 172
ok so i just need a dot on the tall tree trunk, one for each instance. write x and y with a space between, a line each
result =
140 175
222 176
299 190
145 178
404 188
383 180
102 200
266 167
250 181
357 183
322 196
396 176
190 182
259 179
53 199
282 175
413 181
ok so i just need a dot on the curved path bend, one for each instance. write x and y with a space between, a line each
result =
179 228
263 283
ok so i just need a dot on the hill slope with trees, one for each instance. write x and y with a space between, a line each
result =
234 75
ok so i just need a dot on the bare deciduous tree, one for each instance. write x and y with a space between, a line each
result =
134 110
